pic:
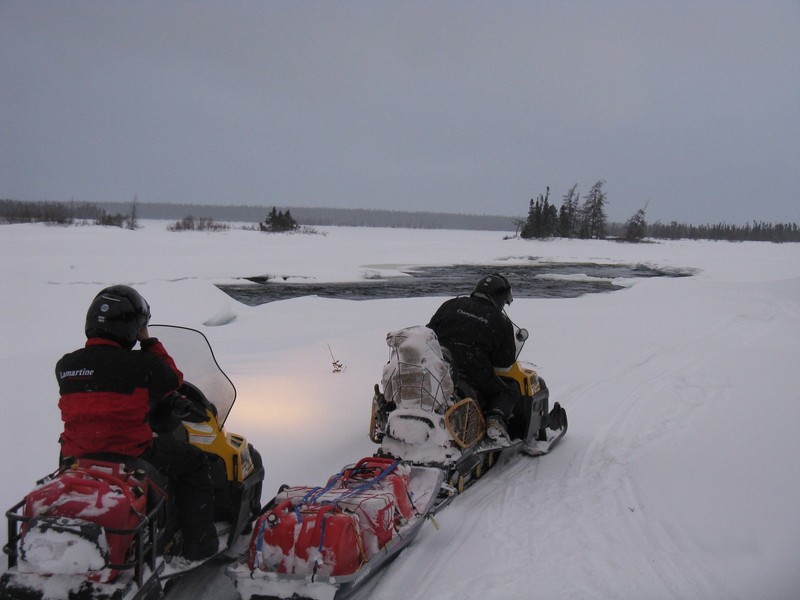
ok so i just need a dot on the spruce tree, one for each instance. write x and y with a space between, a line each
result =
636 226
279 221
593 214
568 214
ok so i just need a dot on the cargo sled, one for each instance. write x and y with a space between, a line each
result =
321 542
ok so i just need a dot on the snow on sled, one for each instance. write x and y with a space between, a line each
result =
105 528
324 542
427 415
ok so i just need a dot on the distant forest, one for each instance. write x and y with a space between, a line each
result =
60 212
543 221
346 217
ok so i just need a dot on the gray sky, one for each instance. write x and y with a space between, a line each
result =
446 106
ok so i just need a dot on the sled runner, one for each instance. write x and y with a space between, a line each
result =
104 527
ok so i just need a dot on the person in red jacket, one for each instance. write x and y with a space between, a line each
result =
108 394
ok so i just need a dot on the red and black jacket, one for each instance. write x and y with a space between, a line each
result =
107 393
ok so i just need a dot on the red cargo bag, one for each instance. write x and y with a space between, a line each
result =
395 481
84 502
315 539
333 529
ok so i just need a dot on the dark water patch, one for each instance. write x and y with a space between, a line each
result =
550 280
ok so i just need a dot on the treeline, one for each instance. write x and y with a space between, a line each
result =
575 218
69 212
572 220
65 213
59 213
316 216
758 232
587 220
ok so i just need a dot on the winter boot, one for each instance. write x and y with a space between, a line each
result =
496 431
200 550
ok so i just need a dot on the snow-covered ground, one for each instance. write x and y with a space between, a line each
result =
677 477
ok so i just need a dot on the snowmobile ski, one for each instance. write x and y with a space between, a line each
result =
549 436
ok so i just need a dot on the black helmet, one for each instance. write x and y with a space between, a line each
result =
117 313
496 288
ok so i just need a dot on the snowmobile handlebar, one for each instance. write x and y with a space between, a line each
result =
187 410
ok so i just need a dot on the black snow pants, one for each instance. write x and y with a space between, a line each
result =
494 396
187 470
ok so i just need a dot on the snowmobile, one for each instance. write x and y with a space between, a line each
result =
325 542
429 415
104 527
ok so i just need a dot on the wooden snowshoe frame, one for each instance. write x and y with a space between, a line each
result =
377 420
464 420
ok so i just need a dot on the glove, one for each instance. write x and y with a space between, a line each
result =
185 409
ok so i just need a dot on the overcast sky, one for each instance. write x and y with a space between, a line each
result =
447 106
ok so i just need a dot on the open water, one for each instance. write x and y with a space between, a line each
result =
566 280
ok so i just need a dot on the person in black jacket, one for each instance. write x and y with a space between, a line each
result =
480 337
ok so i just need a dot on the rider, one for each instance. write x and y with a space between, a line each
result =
480 337
108 394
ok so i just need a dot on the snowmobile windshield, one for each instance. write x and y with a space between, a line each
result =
195 358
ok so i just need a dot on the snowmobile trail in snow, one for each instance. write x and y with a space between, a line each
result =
642 400
527 506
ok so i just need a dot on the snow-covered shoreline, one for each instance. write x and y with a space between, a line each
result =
675 480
